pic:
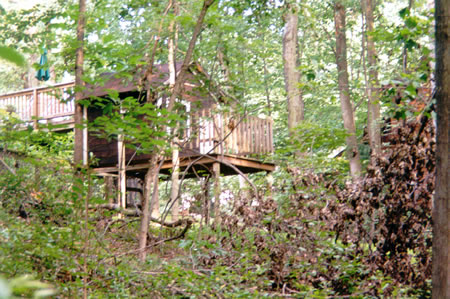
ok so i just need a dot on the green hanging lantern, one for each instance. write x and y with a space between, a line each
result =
43 73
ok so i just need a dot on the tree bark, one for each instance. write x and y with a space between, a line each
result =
149 195
151 176
78 117
344 90
373 109
405 49
441 229
217 191
187 59
291 62
172 46
109 189
79 131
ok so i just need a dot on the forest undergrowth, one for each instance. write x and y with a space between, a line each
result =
321 239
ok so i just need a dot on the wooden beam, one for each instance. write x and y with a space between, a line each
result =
235 160
249 163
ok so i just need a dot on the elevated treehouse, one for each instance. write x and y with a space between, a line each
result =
209 137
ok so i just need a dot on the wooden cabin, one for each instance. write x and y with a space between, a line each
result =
210 137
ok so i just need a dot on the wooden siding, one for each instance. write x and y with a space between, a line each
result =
208 133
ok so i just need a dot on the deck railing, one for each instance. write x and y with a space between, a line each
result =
52 104
225 133
207 131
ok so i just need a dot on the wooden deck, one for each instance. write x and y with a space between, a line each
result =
42 105
210 136
194 166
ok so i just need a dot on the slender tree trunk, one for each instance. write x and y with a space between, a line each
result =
187 59
149 191
405 49
441 228
154 204
217 191
223 61
344 90
172 43
109 189
78 117
152 171
266 87
291 62
373 109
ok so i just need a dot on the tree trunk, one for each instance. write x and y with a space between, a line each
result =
405 49
187 59
149 193
373 109
344 90
175 189
291 62
172 45
78 138
109 189
152 171
441 262
217 191
78 117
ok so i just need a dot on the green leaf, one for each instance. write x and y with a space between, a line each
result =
411 90
404 12
310 76
411 22
12 56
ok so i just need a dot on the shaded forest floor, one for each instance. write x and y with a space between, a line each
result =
322 239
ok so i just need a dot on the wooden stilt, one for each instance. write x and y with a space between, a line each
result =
206 205
109 189
216 172
122 179
35 109
269 179
175 183
155 201
85 138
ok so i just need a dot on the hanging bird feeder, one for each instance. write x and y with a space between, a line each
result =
43 73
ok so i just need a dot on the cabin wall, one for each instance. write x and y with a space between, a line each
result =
207 133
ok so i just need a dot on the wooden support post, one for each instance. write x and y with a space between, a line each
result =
175 183
206 202
35 109
109 188
269 179
155 200
122 179
85 138
216 173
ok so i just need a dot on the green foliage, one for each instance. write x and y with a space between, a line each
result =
11 55
25 286
141 124
284 245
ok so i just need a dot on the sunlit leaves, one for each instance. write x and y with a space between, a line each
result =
11 55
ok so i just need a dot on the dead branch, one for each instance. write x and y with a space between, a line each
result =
11 170
137 213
